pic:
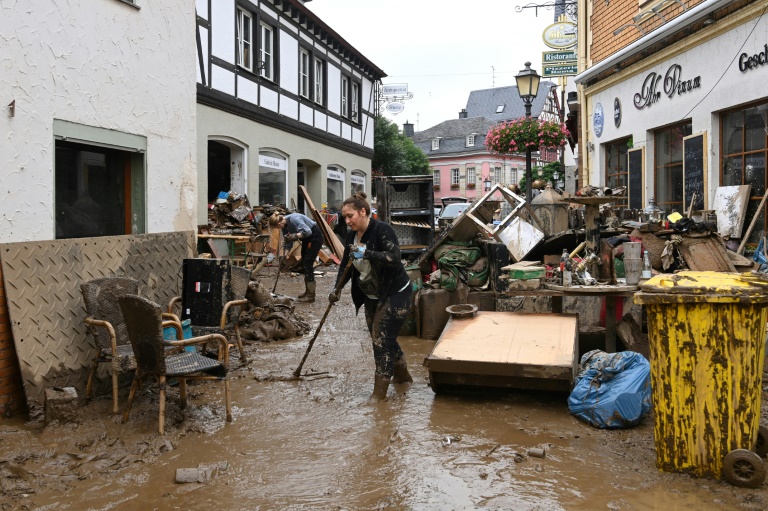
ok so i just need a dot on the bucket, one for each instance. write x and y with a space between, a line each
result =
462 310
633 250
633 268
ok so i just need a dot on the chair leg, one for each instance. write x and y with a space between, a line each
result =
89 385
161 384
115 372
243 358
183 392
227 401
134 386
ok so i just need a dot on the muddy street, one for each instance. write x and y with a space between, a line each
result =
316 444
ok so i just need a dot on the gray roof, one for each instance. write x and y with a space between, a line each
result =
454 128
483 103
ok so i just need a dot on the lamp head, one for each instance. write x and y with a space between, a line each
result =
527 81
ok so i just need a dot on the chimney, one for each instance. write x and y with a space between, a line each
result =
408 129
463 113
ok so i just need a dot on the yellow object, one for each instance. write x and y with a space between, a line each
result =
674 217
707 337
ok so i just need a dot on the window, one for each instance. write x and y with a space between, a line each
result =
471 176
744 136
616 166
436 178
471 140
498 175
273 180
499 109
355 103
319 81
454 177
244 39
435 144
335 187
344 96
266 51
304 61
668 166
357 179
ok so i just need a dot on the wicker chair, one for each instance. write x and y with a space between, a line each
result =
232 310
144 325
105 322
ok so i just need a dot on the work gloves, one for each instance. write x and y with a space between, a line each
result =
357 252
291 237
333 297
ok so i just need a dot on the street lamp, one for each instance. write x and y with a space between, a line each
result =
487 184
528 87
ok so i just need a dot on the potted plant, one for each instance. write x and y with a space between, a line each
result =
518 135
454 187
436 188
470 186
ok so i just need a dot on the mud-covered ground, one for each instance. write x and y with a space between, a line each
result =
315 444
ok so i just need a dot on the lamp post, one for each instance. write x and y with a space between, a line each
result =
528 87
487 184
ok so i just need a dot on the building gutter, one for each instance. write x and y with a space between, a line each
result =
686 18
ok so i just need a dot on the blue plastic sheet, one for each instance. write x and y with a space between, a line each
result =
613 390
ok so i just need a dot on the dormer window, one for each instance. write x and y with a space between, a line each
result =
436 144
500 109
471 140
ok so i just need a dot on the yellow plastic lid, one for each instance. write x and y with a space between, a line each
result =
705 286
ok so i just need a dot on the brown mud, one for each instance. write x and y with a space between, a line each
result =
313 443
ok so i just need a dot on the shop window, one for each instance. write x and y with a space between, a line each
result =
273 178
99 182
744 136
357 179
616 166
668 166
335 187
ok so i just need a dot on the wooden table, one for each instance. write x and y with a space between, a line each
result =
610 293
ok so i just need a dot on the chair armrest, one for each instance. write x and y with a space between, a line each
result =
233 303
177 326
220 339
110 329
170 316
173 302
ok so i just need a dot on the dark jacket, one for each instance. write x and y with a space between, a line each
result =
383 250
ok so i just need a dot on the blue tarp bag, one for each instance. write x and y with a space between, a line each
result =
613 390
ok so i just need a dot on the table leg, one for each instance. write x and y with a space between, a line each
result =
557 304
610 324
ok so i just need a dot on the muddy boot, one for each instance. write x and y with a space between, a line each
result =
380 386
401 372
309 294
303 293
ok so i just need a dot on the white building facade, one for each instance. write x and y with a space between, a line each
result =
283 101
97 128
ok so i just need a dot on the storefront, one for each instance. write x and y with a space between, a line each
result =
686 119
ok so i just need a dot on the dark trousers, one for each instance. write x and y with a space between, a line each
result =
310 247
384 321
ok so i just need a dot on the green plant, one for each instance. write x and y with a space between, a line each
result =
520 134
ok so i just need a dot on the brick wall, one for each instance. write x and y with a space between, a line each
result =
12 400
609 15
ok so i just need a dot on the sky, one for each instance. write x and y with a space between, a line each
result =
442 49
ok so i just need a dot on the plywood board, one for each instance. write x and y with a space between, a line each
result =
705 254
730 205
520 237
330 237
494 346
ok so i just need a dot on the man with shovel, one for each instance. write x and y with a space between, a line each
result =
297 227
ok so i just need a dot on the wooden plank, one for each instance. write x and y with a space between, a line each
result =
705 254
331 240
632 336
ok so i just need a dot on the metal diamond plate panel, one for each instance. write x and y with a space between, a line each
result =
42 284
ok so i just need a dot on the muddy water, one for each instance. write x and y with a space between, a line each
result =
315 444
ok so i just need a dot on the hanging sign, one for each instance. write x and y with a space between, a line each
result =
558 57
560 70
394 89
560 35
598 118
395 107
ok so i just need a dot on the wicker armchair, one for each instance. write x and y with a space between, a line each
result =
144 325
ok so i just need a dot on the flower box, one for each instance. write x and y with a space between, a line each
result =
436 187
454 187
470 186
524 134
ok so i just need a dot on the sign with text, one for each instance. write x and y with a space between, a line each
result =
271 162
558 57
560 35
560 70
335 174
395 107
394 89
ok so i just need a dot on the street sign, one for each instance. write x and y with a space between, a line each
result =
561 70
558 57
560 35
394 89
395 107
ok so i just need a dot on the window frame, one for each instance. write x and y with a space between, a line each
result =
319 73
470 140
678 131
471 175
305 73
239 29
436 177
617 175
344 96
436 144
267 71
455 176
354 114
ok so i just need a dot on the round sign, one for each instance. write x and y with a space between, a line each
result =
395 107
616 112
560 35
598 118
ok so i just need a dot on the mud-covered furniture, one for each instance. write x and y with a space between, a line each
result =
144 326
105 322
229 290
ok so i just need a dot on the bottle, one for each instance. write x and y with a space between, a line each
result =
646 265
567 275
563 259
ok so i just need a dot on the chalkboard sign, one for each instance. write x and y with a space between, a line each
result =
694 170
635 177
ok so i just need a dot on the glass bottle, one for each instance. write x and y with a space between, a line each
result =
646 265
567 275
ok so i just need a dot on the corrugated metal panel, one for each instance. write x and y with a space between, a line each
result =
42 284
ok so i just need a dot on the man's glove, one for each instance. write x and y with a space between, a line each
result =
291 237
333 297
358 252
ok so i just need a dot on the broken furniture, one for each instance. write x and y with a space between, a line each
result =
592 220
510 350
231 242
407 204
213 297
144 326
106 324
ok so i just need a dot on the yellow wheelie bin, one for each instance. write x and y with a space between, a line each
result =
707 333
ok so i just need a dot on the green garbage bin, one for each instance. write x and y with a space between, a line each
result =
707 335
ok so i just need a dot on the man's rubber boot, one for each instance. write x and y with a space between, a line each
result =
401 374
304 293
309 294
380 387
